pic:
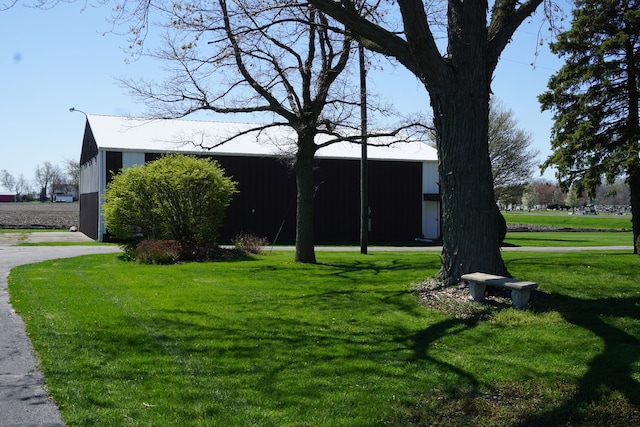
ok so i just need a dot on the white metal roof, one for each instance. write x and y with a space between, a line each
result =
177 135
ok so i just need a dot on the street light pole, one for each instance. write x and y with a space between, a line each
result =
364 172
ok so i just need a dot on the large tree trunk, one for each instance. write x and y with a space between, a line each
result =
470 225
303 168
634 185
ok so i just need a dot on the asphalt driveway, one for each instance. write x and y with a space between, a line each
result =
23 398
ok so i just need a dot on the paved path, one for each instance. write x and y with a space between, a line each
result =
439 248
23 400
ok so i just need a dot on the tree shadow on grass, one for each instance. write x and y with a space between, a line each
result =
423 340
607 394
610 373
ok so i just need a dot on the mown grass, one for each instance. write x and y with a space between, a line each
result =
269 342
565 219
568 239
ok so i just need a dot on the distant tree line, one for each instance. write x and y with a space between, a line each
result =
48 180
544 194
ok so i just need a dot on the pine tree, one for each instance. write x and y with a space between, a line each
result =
594 99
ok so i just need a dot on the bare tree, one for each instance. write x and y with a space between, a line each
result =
458 81
512 159
7 180
72 170
47 177
20 185
248 57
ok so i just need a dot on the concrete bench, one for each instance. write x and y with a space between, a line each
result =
520 290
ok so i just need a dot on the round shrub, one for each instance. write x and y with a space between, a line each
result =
176 197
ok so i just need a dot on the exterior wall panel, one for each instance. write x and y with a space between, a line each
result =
395 198
130 159
89 215
113 164
90 177
266 200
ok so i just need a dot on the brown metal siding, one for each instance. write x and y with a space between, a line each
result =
395 197
113 161
266 200
89 145
395 200
337 201
89 214
267 193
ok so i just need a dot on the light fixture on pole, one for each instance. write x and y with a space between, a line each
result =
73 110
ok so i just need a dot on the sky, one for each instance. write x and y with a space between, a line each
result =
55 59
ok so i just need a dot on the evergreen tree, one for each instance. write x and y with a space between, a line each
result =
594 98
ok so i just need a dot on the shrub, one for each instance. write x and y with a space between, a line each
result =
250 243
129 250
158 252
176 197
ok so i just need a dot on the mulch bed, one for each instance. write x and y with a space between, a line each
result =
454 300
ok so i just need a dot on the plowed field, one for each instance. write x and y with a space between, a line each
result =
36 215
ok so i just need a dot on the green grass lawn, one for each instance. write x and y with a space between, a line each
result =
268 342
570 238
564 219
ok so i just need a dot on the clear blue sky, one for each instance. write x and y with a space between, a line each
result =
55 59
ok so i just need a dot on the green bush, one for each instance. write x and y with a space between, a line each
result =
176 197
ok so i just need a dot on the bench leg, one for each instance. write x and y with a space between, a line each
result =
476 291
520 298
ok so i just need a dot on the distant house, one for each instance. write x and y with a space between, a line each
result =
60 197
8 197
403 179
65 193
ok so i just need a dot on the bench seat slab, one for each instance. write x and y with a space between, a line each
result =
520 290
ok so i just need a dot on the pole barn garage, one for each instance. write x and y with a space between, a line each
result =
404 196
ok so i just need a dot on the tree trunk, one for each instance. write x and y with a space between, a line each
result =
460 102
634 185
303 168
470 226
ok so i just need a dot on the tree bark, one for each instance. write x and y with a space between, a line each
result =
303 168
470 228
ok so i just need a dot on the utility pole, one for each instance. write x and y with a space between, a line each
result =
364 172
